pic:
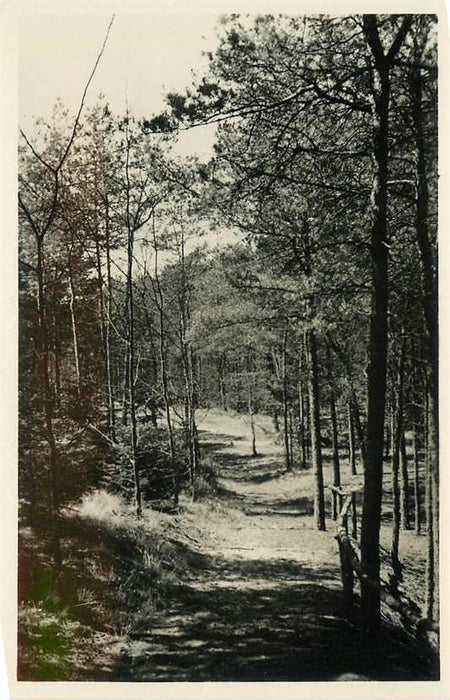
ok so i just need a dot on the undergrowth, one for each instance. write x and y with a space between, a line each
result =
117 571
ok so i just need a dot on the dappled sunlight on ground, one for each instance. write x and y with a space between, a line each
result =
262 600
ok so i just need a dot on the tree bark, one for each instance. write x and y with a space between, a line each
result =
352 464
285 404
430 306
74 331
163 365
315 428
358 427
430 603
376 390
251 412
276 421
308 439
291 435
57 352
301 410
388 436
126 376
131 222
351 440
192 409
396 438
337 501
131 377
43 346
237 376
222 386
417 496
109 292
404 483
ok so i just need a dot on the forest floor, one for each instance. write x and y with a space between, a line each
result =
253 592
264 600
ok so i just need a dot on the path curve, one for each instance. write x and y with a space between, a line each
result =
264 601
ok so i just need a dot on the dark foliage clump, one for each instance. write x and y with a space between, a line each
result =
161 478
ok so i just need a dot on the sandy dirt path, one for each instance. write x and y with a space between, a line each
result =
264 601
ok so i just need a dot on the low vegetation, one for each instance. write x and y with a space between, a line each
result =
167 383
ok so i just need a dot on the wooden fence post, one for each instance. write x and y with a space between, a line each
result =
348 580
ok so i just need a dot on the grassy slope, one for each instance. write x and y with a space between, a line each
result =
116 572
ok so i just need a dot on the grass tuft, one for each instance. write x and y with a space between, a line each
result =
101 505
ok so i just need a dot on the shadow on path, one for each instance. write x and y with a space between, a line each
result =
262 603
261 620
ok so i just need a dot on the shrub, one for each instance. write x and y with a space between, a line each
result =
160 478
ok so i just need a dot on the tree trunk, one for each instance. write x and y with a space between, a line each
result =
376 390
291 436
186 361
302 431
162 356
308 439
417 496
164 377
101 301
153 400
222 387
237 376
109 380
430 603
126 369
404 490
250 406
189 363
131 377
48 401
301 412
430 305
337 500
351 440
358 427
352 464
388 437
276 420
198 378
104 317
193 402
316 446
74 332
130 346
125 380
287 454
57 352
433 509
396 437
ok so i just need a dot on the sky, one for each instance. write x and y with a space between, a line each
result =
146 56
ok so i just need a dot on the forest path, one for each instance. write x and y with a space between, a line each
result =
264 600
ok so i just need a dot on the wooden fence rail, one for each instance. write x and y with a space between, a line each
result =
351 564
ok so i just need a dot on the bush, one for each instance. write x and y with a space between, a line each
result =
160 479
